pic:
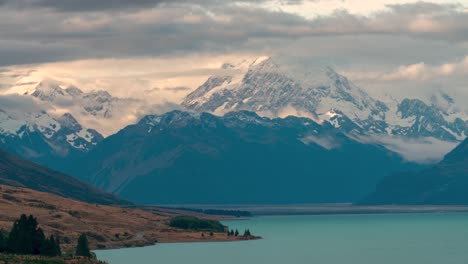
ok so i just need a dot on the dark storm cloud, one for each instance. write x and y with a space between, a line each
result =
106 5
82 5
20 104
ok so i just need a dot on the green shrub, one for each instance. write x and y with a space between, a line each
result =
196 224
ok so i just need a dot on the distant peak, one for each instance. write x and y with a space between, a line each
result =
100 93
48 90
68 121
227 66
260 60
73 91
331 72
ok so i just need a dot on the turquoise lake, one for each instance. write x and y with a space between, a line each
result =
338 239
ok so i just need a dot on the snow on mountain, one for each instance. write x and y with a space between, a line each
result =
35 116
273 88
270 89
94 108
63 131
96 103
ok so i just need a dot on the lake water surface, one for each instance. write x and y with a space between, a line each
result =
337 239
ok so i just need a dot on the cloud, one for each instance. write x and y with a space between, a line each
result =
109 5
424 150
21 104
150 28
379 44
82 5
177 89
417 72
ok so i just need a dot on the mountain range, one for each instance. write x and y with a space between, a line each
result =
267 86
250 124
183 157
272 88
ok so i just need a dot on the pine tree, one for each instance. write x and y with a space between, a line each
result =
51 247
3 242
38 240
46 248
58 249
25 238
82 249
236 233
247 233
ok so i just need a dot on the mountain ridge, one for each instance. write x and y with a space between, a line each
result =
443 184
182 153
274 90
17 172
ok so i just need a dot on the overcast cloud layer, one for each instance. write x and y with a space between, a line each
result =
35 31
378 43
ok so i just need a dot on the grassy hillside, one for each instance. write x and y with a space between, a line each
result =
105 226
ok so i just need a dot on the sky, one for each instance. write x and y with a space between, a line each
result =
401 45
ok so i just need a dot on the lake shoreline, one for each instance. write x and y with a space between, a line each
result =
288 210
328 239
333 209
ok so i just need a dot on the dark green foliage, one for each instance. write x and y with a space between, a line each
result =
26 238
51 247
236 233
231 233
82 249
58 249
236 213
3 242
247 233
197 224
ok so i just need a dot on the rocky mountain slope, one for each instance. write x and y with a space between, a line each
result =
40 126
272 88
182 157
18 172
444 184
42 138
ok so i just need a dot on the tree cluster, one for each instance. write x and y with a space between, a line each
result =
236 233
26 238
196 224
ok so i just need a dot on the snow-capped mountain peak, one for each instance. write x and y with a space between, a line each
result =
48 91
275 88
272 89
19 127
